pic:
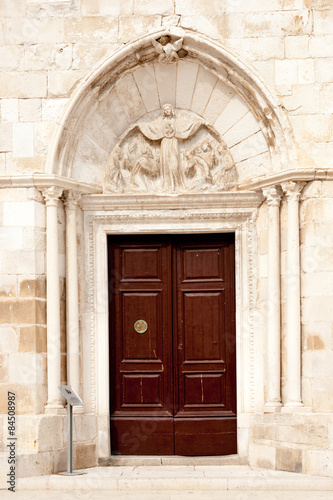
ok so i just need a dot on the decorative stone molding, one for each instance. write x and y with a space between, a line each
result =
105 216
274 136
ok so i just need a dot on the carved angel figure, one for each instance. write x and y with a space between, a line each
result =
166 49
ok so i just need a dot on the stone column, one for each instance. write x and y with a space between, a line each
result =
72 293
273 197
54 404
293 306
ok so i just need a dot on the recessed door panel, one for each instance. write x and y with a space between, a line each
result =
172 345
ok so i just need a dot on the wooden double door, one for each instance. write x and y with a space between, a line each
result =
172 345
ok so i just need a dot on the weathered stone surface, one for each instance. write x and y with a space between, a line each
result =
289 459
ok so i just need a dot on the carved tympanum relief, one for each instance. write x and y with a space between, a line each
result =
172 151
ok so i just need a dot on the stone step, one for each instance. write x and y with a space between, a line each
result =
180 478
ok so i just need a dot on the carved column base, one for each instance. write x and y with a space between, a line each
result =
272 407
55 409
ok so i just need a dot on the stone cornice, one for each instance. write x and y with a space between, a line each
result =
227 200
296 175
40 181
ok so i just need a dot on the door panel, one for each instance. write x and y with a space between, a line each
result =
172 345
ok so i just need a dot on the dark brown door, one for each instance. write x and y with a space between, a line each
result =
172 345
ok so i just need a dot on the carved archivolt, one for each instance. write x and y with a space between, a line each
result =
170 151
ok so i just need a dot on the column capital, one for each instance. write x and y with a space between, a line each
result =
71 199
52 195
292 189
273 195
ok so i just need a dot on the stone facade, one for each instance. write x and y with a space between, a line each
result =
76 75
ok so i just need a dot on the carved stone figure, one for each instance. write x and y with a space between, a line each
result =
170 152
167 50
169 129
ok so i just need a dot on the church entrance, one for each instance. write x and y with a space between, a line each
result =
172 344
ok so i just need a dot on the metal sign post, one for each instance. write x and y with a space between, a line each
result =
72 400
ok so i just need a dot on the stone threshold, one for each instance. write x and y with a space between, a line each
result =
177 477
151 460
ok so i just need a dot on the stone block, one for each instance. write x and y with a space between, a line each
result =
35 464
52 108
85 456
289 459
30 110
23 85
8 340
259 49
317 284
9 110
266 70
33 339
85 428
24 311
145 80
316 309
234 111
321 46
23 213
195 7
29 287
305 69
318 4
8 286
106 8
50 433
43 133
262 5
48 57
7 10
11 57
262 456
34 30
204 86
304 100
155 7
318 462
311 128
86 55
244 128
285 72
278 23
23 140
220 98
323 22
297 47
322 394
230 25
91 29
62 83
324 69
6 137
128 25
130 98
252 146
27 368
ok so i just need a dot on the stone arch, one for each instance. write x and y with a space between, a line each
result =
210 81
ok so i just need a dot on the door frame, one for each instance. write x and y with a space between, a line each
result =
225 212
